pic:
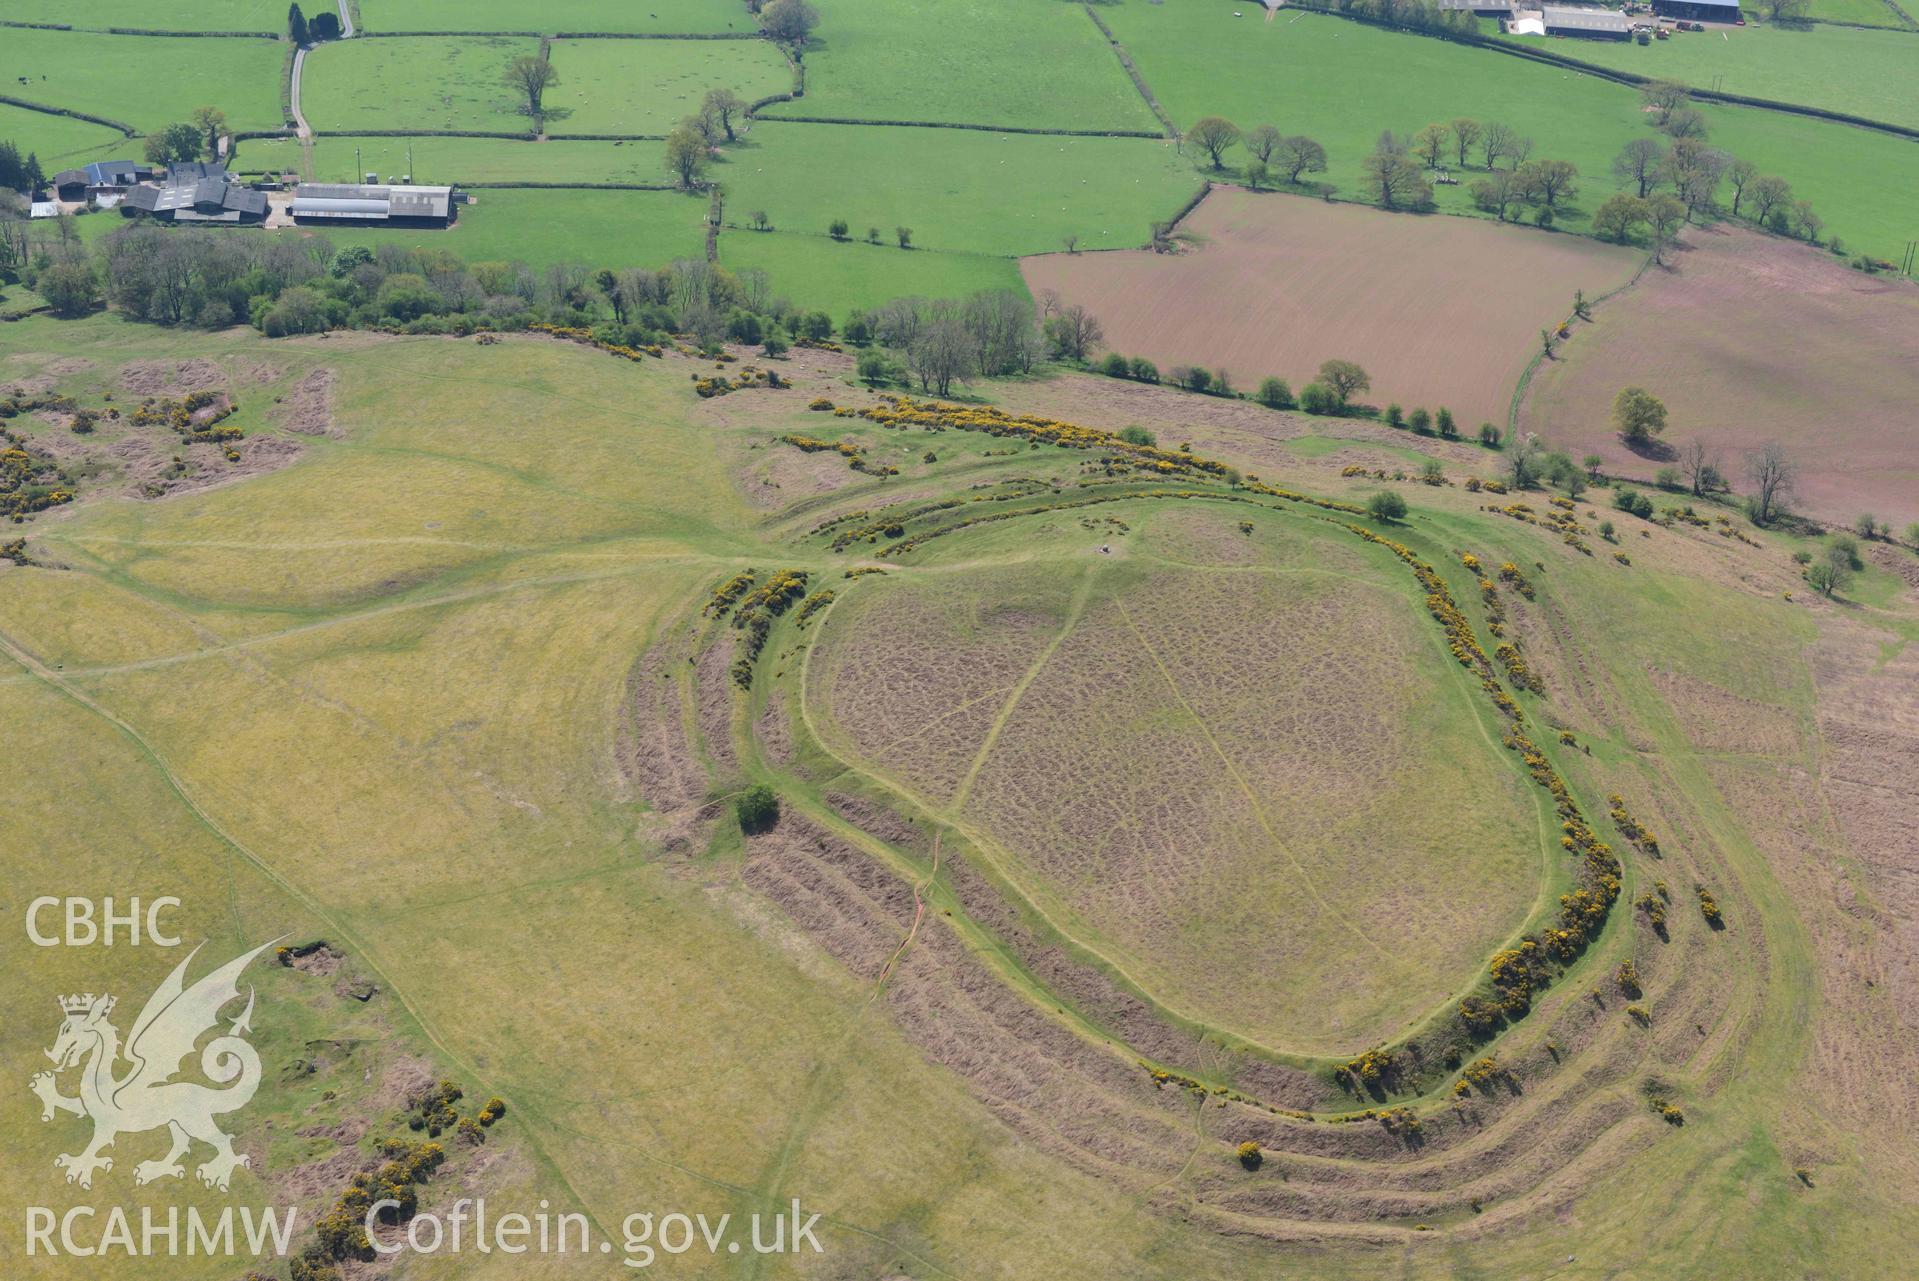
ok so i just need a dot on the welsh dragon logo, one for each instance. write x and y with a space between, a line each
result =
146 1096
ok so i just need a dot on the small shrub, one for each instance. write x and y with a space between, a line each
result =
1386 506
1138 436
1250 1155
757 808
1489 435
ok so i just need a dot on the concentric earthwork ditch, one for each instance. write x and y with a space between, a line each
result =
1149 805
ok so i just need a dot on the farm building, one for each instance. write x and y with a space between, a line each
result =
389 206
1587 24
1483 8
99 178
197 193
1698 10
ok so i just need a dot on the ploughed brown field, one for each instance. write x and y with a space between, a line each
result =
1750 339
1440 311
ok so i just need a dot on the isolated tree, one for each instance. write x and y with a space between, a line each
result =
1740 174
1386 507
1774 475
70 286
1664 97
1393 180
324 25
1274 393
1684 122
1638 414
1497 193
1665 216
1497 143
1429 144
757 808
1701 465
1213 135
1786 12
1806 222
1263 142
1638 163
1547 183
1258 176
212 123
1769 194
1344 379
175 144
686 156
904 235
1832 572
297 26
1522 460
1072 331
1298 154
724 108
532 76
789 20
1466 132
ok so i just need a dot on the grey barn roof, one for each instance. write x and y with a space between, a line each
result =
353 200
1574 19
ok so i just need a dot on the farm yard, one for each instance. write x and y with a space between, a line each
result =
1840 390
1439 311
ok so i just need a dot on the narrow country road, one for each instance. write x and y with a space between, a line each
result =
301 128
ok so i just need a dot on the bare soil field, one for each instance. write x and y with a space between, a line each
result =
1750 339
1440 311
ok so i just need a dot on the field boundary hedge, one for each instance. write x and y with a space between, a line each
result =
1539 357
946 124
606 137
140 31
554 35
565 186
1132 72
125 129
423 133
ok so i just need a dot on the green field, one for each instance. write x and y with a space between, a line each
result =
648 86
1865 13
951 185
603 228
421 83
145 81
189 15
652 17
1306 73
1860 73
61 141
455 161
994 62
813 272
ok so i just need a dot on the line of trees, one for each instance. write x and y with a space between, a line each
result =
1274 157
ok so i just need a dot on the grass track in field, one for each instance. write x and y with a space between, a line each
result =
415 83
648 86
993 62
145 81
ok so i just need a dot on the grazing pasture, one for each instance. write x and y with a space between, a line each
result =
415 83
1862 13
1861 73
1343 82
627 228
1440 311
457 161
649 17
646 86
1748 341
953 186
268 16
61 141
985 62
815 273
1189 762
145 81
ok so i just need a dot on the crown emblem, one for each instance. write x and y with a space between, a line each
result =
81 1002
